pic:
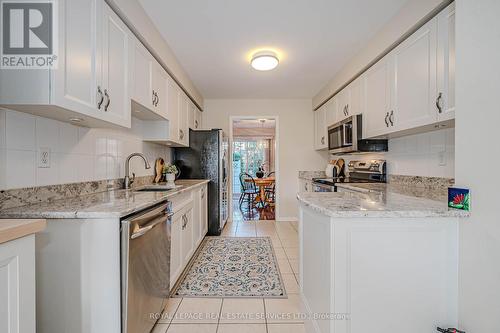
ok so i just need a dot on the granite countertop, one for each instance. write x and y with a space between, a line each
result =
12 229
376 204
109 204
412 191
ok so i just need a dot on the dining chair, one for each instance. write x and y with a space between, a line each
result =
248 189
271 189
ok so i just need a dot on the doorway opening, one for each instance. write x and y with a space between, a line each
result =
253 169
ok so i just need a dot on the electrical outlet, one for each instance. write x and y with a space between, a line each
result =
442 158
44 157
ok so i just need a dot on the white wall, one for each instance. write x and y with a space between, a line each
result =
295 140
77 153
418 155
477 155
409 15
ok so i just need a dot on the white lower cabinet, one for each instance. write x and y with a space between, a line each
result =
189 227
17 285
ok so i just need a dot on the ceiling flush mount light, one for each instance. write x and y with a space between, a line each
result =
264 61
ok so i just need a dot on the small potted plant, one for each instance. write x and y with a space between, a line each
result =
170 171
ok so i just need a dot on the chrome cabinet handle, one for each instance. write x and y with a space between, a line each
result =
153 100
196 124
391 118
157 99
109 100
386 121
181 134
322 140
347 109
185 221
99 91
438 103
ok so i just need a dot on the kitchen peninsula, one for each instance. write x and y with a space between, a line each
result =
375 258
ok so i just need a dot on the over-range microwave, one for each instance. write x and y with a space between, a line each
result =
345 137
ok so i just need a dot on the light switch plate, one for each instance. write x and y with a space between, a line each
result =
442 158
44 157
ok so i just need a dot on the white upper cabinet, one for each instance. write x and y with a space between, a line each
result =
142 73
377 99
331 111
92 70
149 83
115 68
174 95
356 97
160 90
344 99
194 117
320 129
414 80
184 109
446 64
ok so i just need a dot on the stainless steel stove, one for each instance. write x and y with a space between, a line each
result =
372 171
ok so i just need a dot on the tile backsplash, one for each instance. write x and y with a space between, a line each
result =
76 154
429 154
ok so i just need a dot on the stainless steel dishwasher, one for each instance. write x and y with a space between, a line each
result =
145 245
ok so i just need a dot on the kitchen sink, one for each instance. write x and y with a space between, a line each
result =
156 188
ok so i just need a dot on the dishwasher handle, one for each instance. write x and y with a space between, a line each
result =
143 230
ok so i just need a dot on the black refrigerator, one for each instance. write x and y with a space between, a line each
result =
207 158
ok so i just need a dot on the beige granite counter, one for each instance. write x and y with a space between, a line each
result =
12 229
438 194
376 204
107 204
310 175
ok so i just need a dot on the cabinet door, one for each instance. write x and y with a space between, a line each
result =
344 98
173 110
175 248
446 63
414 81
331 111
115 69
160 90
142 87
183 119
377 99
197 217
77 79
320 130
356 97
204 212
17 285
187 242
191 115
198 121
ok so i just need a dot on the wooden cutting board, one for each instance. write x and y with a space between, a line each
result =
159 169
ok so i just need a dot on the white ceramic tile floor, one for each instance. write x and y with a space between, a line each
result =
245 315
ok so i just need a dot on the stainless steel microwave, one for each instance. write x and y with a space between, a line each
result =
345 137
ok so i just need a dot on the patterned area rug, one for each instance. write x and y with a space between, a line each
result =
232 267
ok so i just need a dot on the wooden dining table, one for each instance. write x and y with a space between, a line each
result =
262 183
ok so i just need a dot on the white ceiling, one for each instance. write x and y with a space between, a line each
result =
212 40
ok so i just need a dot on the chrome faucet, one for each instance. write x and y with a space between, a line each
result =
128 181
